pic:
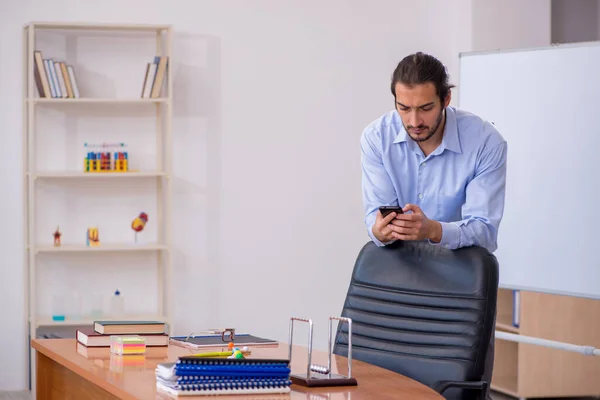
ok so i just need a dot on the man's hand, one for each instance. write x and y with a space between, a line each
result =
415 226
382 228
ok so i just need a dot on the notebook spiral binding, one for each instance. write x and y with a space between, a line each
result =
223 379
246 363
232 367
235 385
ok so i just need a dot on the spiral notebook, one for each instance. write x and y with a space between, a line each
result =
196 342
196 376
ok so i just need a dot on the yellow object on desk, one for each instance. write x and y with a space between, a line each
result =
124 345
213 354
228 353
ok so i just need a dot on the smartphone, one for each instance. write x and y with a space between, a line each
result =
385 210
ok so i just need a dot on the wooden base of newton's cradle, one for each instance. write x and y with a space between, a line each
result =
319 380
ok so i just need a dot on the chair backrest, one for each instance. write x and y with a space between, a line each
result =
421 310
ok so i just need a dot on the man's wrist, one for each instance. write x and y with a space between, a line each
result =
374 237
377 240
435 235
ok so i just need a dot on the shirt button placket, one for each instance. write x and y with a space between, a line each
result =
420 184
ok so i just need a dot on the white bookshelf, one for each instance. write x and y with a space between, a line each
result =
162 107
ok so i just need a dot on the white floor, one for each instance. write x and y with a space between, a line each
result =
15 396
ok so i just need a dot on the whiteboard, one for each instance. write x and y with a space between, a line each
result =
546 104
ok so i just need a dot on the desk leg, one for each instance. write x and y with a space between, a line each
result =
55 382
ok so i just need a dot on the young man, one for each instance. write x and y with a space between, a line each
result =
445 167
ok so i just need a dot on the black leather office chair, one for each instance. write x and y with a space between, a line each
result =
425 312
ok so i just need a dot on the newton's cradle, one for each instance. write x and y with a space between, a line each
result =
320 375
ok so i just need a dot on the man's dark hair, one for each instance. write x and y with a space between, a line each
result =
419 68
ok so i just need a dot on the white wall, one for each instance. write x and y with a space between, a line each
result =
270 101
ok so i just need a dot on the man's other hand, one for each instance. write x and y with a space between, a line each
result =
414 225
382 228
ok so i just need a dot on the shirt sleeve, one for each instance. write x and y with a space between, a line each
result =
377 187
484 205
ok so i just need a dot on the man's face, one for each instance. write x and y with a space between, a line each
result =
420 109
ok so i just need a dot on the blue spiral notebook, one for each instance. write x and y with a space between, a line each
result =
197 376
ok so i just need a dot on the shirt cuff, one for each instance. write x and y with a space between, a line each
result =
450 236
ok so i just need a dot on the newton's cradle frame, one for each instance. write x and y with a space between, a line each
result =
319 375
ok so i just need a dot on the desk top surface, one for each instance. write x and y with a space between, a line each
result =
136 380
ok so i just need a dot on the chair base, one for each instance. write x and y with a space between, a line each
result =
322 380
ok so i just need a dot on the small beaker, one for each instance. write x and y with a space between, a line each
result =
58 307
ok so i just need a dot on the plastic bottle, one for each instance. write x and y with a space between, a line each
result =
117 304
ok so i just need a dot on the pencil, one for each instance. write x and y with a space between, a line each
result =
219 353
213 354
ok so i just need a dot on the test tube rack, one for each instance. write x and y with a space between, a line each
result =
106 157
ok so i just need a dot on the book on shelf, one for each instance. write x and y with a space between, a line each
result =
54 78
156 74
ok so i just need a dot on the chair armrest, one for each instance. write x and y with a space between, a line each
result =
441 386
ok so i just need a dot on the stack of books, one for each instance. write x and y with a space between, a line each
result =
99 334
54 78
223 376
156 75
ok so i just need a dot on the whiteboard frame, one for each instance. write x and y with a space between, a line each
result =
553 46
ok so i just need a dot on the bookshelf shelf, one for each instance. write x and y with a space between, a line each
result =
98 175
49 80
78 248
87 320
44 25
90 100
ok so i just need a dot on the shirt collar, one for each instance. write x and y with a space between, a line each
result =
450 140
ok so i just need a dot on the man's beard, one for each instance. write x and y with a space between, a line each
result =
431 131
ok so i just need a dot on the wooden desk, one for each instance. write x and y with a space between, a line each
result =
65 372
